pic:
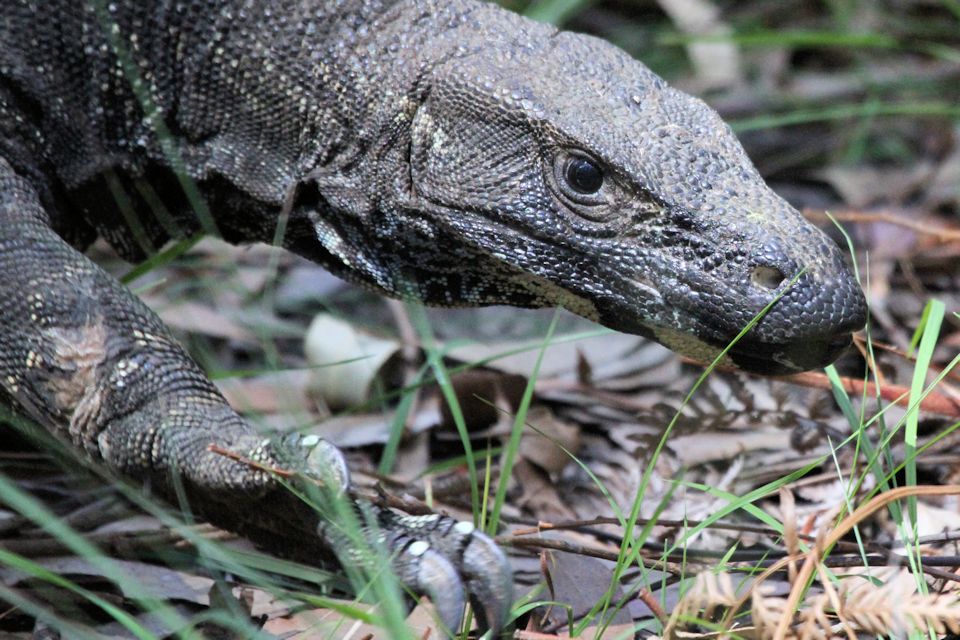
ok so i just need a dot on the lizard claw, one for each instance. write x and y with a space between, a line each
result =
489 581
481 567
428 572
442 558
323 461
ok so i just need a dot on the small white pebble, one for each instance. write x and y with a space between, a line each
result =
464 527
310 441
418 548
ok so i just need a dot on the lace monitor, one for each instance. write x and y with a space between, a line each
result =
446 150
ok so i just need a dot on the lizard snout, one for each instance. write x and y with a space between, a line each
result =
810 323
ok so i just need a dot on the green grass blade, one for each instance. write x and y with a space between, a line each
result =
845 112
33 510
791 38
169 254
629 550
31 568
933 314
513 445
441 375
555 11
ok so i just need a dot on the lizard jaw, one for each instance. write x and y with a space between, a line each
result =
748 354
779 360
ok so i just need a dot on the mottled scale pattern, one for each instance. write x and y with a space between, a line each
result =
420 147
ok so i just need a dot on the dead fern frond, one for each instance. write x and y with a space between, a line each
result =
937 613
766 610
833 597
857 605
895 607
814 624
709 592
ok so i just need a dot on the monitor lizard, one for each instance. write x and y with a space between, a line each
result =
444 150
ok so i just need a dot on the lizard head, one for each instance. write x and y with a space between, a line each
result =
556 170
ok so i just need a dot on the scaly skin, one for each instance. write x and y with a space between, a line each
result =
448 151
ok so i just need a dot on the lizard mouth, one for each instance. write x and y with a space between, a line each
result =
748 354
647 287
785 359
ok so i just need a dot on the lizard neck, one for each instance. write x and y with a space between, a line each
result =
346 80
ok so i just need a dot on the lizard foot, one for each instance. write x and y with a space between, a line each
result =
434 555
446 558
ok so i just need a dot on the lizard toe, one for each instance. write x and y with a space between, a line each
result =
437 556
316 458
489 581
447 560
480 563
426 571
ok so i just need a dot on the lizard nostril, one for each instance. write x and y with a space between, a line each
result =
767 277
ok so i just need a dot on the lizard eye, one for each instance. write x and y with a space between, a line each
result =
583 183
583 175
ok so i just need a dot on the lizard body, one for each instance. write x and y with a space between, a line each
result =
449 151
